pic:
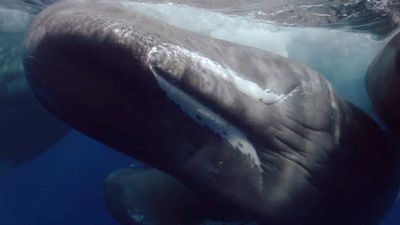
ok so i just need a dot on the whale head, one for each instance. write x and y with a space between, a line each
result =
252 129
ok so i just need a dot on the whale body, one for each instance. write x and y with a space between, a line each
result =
301 44
383 79
263 135
149 196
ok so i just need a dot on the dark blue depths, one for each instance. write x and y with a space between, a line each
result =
64 186
61 187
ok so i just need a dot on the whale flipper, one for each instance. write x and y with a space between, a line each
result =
264 134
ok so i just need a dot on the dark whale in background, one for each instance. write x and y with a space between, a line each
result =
252 131
26 129
383 83
148 196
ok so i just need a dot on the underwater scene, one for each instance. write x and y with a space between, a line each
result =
199 112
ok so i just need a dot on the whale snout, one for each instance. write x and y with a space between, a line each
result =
89 78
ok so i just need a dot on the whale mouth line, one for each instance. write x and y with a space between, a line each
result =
205 116
176 60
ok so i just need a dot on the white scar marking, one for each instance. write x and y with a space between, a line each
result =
335 109
205 116
246 87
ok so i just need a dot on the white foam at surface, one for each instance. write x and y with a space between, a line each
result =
341 56
215 24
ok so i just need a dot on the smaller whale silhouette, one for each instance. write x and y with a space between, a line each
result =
383 80
22 137
265 136
149 196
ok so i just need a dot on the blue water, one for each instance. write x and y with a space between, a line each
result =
61 187
394 217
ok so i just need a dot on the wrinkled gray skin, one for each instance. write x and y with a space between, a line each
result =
321 160
383 80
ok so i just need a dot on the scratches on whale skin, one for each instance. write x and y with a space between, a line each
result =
195 110
173 65
309 140
288 147
336 116
318 134
269 163
267 160
291 155
300 134
170 58
303 124
284 146
170 64
306 172
204 116
310 136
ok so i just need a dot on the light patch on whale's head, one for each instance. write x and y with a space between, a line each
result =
197 111
172 59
